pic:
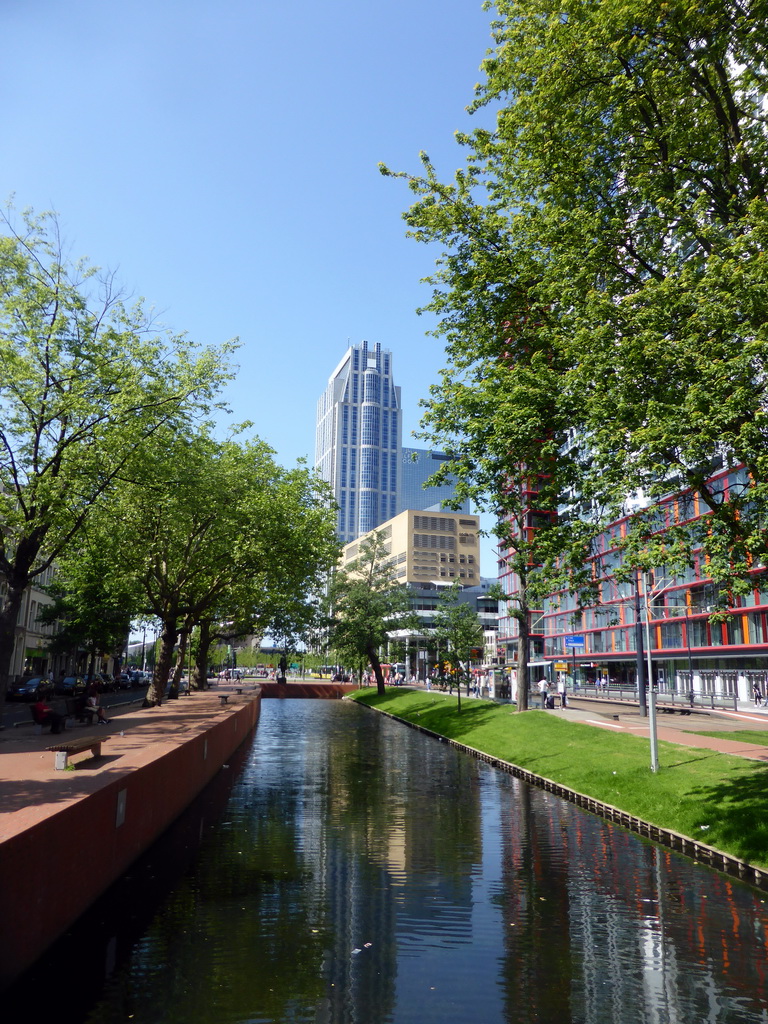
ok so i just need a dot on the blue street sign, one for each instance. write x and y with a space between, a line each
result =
574 641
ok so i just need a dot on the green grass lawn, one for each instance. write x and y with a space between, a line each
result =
714 798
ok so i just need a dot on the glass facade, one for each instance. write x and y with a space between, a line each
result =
690 650
358 439
417 465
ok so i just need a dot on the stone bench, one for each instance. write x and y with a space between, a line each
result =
68 747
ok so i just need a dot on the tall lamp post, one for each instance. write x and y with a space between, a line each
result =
651 691
639 663
649 593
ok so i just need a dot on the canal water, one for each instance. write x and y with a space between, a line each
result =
349 870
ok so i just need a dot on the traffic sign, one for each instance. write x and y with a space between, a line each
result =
574 641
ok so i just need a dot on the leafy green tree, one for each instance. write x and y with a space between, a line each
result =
91 609
368 604
228 557
603 251
283 553
457 630
87 382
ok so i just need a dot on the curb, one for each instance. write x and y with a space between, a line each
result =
691 848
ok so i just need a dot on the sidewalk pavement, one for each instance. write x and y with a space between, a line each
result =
678 728
31 789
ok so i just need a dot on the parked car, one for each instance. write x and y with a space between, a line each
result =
70 685
106 682
30 689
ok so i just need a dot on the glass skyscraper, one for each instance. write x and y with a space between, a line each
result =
358 439
416 466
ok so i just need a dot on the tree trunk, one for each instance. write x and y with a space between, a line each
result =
9 615
173 693
373 657
524 643
17 578
200 675
156 690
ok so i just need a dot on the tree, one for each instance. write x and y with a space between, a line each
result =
92 608
284 553
368 604
230 556
509 455
457 631
86 385
603 248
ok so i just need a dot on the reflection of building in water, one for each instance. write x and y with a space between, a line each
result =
365 843
584 899
354 908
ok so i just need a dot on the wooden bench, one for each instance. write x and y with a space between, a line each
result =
63 750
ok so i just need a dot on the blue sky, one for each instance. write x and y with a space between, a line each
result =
223 159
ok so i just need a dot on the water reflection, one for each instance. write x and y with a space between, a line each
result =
364 873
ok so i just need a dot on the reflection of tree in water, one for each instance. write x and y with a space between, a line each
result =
372 799
537 966
221 945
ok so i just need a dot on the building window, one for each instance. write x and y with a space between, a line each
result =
671 634
434 523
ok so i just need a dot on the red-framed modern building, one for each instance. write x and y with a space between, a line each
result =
688 650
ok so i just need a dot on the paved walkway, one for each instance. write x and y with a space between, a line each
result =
677 728
32 789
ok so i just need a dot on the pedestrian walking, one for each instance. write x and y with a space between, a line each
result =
543 688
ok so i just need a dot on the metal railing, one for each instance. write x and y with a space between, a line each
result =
664 698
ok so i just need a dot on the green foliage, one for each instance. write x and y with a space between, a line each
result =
91 607
457 630
87 383
216 533
603 273
368 604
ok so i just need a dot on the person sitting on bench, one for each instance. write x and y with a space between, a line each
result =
45 715
92 705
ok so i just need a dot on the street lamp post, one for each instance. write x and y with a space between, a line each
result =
690 659
649 592
651 691
639 662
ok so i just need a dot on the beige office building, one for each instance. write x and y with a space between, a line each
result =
426 547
